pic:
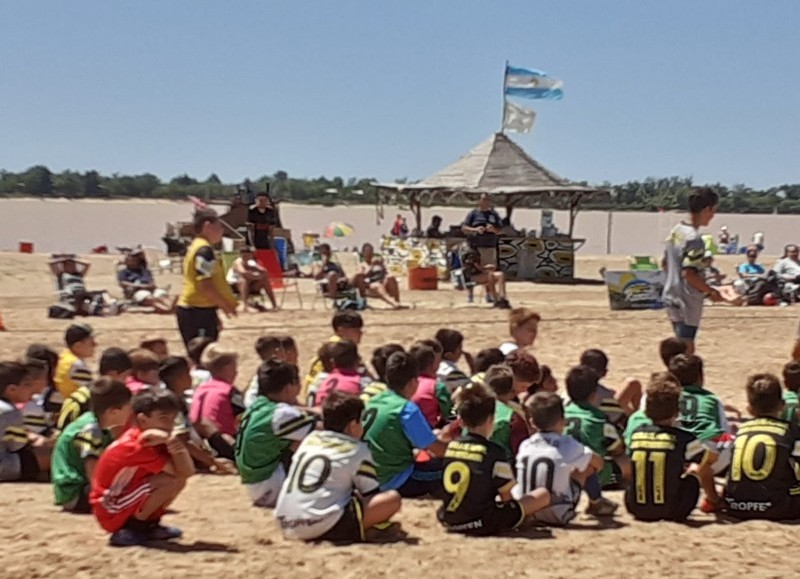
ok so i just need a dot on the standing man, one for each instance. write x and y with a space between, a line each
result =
482 226
685 289
205 289
261 218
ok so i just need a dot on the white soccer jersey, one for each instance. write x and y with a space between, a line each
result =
326 469
547 460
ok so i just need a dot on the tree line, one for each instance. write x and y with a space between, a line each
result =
651 194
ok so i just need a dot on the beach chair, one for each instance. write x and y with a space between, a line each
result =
268 258
643 263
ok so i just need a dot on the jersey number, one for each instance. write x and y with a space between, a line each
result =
538 474
688 408
658 460
573 428
302 463
368 418
456 482
744 457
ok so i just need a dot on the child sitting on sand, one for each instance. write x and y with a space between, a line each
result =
452 342
379 357
617 406
272 429
428 394
510 420
341 502
82 442
523 327
142 473
144 371
267 347
344 377
791 385
157 345
347 325
71 370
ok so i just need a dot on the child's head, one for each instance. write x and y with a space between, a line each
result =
671 347
476 406
279 381
523 326
12 383
290 351
348 325
345 355
341 412
380 356
525 369
791 376
434 345
115 363
46 355
195 349
662 404
175 373
452 342
425 358
487 358
546 410
157 345
596 360
144 366
500 380
110 402
703 202
582 384
221 362
269 347
80 340
36 375
155 408
546 382
402 373
764 396
325 355
688 369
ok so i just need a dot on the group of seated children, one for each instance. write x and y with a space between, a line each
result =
334 454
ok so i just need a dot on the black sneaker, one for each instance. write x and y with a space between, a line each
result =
502 304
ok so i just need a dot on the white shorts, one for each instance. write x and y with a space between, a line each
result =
140 296
265 493
562 510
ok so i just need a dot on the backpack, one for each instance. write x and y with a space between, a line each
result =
61 312
770 284
355 303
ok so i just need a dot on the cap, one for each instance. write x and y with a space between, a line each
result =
78 332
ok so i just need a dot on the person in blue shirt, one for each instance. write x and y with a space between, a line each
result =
138 285
751 269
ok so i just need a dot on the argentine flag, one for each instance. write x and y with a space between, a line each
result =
530 83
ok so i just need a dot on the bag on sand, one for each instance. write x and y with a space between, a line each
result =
61 312
760 287
356 303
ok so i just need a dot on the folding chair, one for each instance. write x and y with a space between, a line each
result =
643 263
268 258
349 293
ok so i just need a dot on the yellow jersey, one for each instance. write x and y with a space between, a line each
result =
71 374
201 263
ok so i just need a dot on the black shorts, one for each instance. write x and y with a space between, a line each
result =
350 527
29 465
194 322
677 508
499 519
341 285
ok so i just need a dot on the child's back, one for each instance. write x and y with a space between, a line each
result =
82 439
702 412
791 385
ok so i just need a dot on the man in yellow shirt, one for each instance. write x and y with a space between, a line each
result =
204 287
71 369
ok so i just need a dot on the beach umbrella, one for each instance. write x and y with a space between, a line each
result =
338 230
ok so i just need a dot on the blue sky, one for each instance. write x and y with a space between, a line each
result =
393 89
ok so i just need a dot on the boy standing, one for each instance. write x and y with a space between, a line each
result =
523 327
331 491
142 473
71 370
84 440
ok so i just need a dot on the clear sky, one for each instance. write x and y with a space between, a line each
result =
392 89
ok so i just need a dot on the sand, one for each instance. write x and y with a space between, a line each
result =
226 537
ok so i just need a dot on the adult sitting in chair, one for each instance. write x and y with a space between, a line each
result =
138 285
374 280
788 270
476 273
70 273
248 278
329 274
751 270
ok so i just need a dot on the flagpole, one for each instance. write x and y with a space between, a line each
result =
503 116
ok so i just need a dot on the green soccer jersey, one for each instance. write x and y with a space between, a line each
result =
588 425
792 403
391 449
501 434
267 431
445 399
635 420
702 413
83 439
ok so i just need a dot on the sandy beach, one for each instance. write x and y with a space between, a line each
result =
225 537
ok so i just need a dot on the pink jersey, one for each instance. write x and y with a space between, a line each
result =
425 398
218 402
341 380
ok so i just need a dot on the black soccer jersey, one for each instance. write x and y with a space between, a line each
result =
475 471
658 455
763 477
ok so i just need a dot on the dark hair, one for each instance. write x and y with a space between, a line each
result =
34 367
143 360
545 374
108 393
149 342
764 394
424 356
671 347
151 400
380 356
663 397
581 383
433 344
451 340
172 367
340 409
545 409
487 358
524 366
325 355
275 375
11 373
201 217
196 347
596 360
701 198
401 369
687 368
46 355
114 360
266 346
347 319
345 355
500 379
288 343
475 405
791 376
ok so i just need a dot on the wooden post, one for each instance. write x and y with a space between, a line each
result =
609 224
